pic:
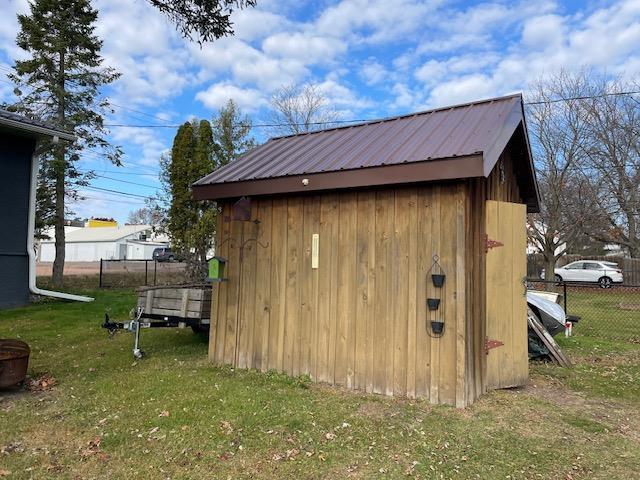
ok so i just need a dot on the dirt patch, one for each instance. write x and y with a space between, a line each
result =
616 416
70 268
629 306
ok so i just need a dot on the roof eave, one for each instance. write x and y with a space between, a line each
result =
387 175
37 129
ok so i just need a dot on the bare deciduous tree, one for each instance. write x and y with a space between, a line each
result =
613 163
558 132
299 109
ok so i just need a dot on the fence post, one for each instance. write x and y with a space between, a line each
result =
146 264
564 295
100 280
155 272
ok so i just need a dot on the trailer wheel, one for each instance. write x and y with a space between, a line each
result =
200 329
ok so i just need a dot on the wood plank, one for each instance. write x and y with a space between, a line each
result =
423 285
556 353
384 227
309 288
400 290
434 374
292 293
520 339
327 216
365 287
169 313
176 293
147 301
448 257
184 303
173 304
233 291
246 320
333 246
278 284
222 248
263 286
493 292
461 299
346 296
412 301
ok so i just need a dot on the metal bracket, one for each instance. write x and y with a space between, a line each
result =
489 243
489 344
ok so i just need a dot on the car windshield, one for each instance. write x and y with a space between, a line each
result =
610 264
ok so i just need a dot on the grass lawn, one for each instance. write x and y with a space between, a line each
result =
173 415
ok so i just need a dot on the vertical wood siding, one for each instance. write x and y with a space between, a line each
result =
359 320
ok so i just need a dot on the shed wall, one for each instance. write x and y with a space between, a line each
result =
360 319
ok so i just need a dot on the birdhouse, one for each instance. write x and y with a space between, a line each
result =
216 269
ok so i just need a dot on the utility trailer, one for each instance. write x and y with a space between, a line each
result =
174 306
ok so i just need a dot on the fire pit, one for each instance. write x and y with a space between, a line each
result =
14 358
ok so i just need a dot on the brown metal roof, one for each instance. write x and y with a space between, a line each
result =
460 141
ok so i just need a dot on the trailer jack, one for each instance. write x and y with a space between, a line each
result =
155 321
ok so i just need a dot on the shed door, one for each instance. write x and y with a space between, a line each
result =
506 314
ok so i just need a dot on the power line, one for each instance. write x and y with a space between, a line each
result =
360 120
117 191
111 172
585 97
125 181
112 200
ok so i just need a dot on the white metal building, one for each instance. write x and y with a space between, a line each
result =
131 242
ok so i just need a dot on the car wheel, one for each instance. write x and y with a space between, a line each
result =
605 282
171 258
558 278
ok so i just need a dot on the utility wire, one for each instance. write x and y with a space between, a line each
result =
125 181
117 191
360 120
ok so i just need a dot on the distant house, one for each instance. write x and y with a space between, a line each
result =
18 139
130 242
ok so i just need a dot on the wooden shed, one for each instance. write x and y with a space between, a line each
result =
332 238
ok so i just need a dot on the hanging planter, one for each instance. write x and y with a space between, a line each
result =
433 303
437 274
438 279
437 327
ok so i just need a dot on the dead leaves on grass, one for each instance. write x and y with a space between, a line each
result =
43 383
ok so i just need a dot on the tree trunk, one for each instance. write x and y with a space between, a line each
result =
60 172
58 263
549 266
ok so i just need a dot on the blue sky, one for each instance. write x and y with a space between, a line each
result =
371 58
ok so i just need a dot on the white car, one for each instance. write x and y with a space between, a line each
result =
604 274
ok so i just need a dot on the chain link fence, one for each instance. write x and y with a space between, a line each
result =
135 273
605 313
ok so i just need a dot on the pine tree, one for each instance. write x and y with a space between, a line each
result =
59 82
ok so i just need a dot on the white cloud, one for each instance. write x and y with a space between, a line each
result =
544 30
375 21
217 95
606 39
373 72
253 23
305 47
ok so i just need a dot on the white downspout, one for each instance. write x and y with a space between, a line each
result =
30 250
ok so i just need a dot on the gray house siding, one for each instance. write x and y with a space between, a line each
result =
15 182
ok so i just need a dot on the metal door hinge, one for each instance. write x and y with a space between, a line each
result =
490 243
489 344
